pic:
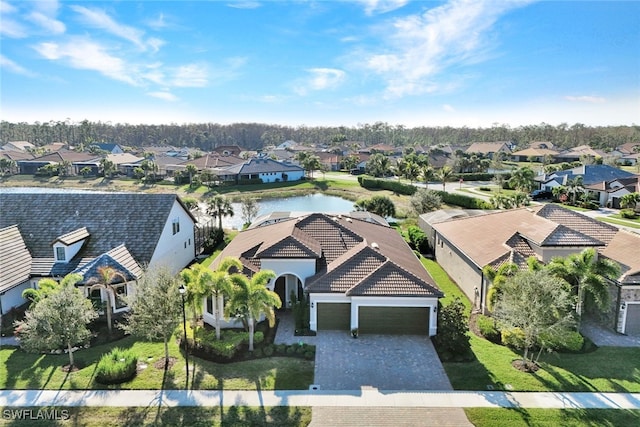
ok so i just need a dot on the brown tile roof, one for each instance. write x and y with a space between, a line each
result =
624 248
488 147
347 252
595 229
73 236
564 236
15 259
391 280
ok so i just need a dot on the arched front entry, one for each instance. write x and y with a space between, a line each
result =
285 285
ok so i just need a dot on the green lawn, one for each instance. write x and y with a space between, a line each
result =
560 371
20 370
240 416
490 417
627 222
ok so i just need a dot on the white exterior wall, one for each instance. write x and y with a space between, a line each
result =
432 303
69 251
13 297
175 251
302 268
314 299
277 176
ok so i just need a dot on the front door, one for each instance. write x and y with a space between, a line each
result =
280 288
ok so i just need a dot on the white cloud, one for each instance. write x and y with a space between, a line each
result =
192 75
421 47
320 79
100 19
242 4
586 99
13 67
85 54
167 96
448 108
50 24
372 7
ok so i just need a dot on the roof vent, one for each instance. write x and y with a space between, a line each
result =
348 219
375 246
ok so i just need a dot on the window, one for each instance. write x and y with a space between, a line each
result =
176 226
210 305
96 299
60 255
120 293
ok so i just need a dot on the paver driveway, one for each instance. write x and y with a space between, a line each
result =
386 362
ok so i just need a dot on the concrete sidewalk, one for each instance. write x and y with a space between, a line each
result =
322 398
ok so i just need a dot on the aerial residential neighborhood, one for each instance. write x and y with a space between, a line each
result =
319 214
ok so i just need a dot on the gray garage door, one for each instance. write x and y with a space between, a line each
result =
632 326
334 316
393 320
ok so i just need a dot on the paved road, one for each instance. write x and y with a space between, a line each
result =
342 398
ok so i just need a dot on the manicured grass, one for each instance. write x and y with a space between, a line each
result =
573 208
285 416
446 285
593 371
490 417
21 370
627 222
560 371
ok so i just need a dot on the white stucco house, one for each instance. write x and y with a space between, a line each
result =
49 234
357 273
266 170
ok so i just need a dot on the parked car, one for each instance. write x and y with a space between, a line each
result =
541 195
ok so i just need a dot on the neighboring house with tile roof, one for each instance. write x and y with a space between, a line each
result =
54 233
489 148
576 153
356 273
533 154
266 170
591 175
31 166
610 193
111 148
464 246
18 145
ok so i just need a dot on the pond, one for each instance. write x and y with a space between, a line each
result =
317 202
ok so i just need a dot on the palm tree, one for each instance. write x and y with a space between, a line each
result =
251 299
522 179
107 276
497 277
560 193
222 286
587 274
197 279
219 207
428 173
108 167
191 170
574 188
445 175
630 201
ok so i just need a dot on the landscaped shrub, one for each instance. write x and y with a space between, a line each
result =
488 329
281 348
386 184
116 367
309 355
291 350
513 338
464 201
571 342
627 213
268 350
418 239
452 340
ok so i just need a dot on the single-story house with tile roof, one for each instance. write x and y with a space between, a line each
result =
611 192
49 234
576 153
591 174
464 246
356 273
266 170
489 148
535 154
31 166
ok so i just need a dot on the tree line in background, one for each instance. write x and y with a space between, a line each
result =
254 136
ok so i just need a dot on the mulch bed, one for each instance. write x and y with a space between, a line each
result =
70 368
160 363
521 365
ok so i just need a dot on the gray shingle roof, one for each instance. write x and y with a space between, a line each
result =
15 259
119 259
135 220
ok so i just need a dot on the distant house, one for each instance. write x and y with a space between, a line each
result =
18 145
464 246
610 192
358 273
591 175
330 160
534 154
577 153
266 170
488 149
109 148
53 233
228 150
77 160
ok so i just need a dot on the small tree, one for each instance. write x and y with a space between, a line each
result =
59 320
379 205
249 208
425 200
537 304
453 328
156 308
219 207
106 278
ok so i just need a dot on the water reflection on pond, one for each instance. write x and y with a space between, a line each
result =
317 202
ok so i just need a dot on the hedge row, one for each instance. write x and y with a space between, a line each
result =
386 184
463 201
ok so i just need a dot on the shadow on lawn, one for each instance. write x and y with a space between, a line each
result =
37 369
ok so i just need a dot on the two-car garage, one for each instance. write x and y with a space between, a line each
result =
416 318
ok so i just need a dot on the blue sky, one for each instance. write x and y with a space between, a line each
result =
330 63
